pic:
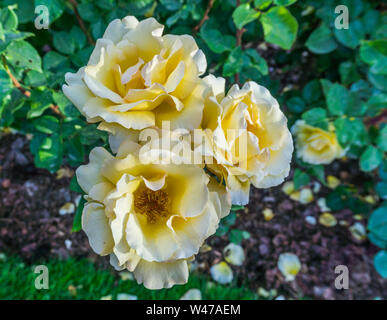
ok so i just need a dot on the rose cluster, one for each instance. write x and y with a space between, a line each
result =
153 216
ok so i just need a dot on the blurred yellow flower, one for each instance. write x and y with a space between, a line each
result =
315 145
248 141
289 265
136 77
151 219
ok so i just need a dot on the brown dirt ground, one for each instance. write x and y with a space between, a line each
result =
31 227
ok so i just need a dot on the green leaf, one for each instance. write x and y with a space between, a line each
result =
78 37
40 101
316 117
46 124
74 185
338 100
88 12
53 61
262 4
350 37
311 91
300 179
378 80
284 2
64 104
377 223
296 104
75 151
9 36
49 153
381 189
25 9
236 236
380 262
348 73
35 78
321 41
374 53
98 29
370 159
64 42
350 131
318 171
382 139
22 55
5 85
243 15
233 63
8 18
258 62
279 27
55 8
77 223
216 41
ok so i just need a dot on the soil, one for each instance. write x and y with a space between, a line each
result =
31 227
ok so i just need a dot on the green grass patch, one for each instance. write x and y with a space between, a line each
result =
17 281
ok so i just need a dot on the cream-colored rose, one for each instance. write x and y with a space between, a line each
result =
151 219
247 139
136 77
315 145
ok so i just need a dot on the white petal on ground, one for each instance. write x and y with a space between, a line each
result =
192 294
125 296
234 254
289 265
67 208
221 273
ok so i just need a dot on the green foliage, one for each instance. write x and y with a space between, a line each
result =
90 283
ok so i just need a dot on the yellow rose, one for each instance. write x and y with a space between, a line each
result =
315 145
246 139
136 77
151 219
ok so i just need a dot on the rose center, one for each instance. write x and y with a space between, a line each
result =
153 204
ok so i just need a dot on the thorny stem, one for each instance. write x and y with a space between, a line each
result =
80 21
205 17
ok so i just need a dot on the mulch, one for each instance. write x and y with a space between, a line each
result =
31 227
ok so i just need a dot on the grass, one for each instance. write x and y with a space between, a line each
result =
80 279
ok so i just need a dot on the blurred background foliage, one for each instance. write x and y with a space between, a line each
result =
321 74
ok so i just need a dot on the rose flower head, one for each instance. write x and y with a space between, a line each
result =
245 138
136 77
315 145
150 218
